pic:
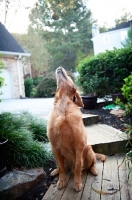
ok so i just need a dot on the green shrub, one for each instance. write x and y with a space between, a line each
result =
24 132
127 93
109 69
28 82
127 106
46 87
37 80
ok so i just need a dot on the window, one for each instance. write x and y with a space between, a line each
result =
106 39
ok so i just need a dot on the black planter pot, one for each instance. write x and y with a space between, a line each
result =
119 96
89 101
3 144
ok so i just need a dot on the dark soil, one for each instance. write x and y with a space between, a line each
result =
40 189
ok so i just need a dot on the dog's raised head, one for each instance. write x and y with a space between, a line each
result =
65 86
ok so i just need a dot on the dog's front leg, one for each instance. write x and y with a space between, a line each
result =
78 172
62 177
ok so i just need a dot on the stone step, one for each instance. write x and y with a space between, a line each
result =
106 139
88 119
15 183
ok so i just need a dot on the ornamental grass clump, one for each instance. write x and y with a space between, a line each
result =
37 126
24 148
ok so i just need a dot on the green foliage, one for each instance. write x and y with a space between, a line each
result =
1 78
127 88
46 87
127 93
28 83
23 132
68 24
37 80
127 16
127 106
37 126
33 43
128 41
105 72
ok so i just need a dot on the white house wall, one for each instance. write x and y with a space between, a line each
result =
109 40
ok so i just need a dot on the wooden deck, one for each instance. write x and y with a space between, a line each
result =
111 178
109 141
106 139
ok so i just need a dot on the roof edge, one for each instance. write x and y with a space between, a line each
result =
107 32
12 54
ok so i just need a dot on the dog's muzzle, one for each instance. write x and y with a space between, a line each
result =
59 71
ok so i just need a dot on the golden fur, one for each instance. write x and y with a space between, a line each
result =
67 133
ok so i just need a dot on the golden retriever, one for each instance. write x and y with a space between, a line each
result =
67 133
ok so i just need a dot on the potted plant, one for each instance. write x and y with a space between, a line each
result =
3 144
89 88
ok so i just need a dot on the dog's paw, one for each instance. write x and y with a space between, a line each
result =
61 184
77 187
94 171
55 172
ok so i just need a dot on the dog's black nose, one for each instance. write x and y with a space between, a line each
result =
59 70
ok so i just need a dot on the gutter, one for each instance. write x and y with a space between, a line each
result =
12 54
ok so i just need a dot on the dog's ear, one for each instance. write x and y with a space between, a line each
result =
78 100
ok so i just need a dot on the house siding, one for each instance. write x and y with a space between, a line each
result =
114 41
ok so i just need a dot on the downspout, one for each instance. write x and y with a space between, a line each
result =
30 70
19 76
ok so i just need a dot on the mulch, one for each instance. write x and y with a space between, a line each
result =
106 117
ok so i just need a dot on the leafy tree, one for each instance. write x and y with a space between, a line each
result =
128 41
66 25
103 28
34 44
127 16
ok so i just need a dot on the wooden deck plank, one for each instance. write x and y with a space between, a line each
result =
113 131
98 137
126 183
123 179
70 193
107 133
96 181
130 186
110 179
53 193
110 170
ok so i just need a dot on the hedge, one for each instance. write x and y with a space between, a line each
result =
105 71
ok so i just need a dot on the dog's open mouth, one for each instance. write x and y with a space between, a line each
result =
60 71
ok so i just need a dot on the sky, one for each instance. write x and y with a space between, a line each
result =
105 11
